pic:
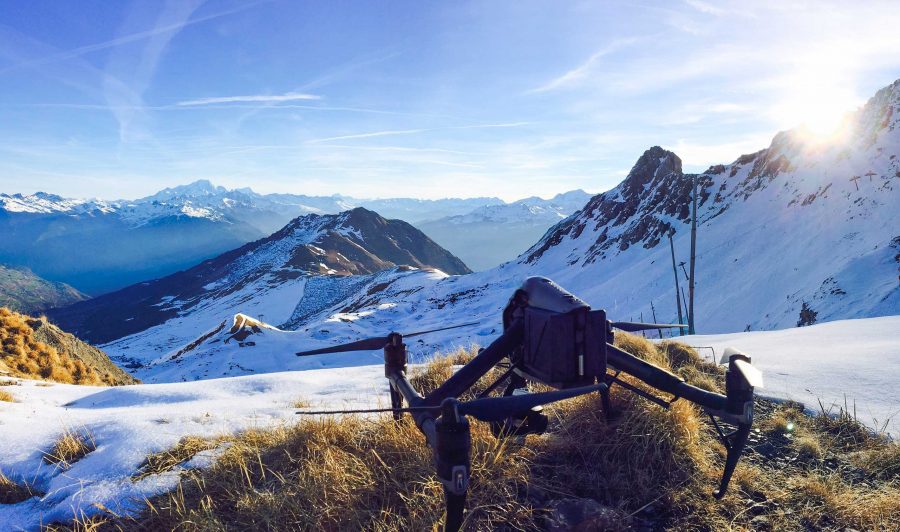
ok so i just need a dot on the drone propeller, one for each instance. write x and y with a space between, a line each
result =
632 326
488 408
371 344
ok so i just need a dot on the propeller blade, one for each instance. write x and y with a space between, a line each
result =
410 335
633 326
752 375
499 408
369 344
486 409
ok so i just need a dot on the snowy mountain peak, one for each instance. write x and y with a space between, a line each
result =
202 188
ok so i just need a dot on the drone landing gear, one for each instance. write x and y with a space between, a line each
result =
452 457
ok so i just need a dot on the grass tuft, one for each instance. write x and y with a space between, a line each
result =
13 492
167 460
70 447
6 396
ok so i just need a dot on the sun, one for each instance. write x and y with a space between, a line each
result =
816 105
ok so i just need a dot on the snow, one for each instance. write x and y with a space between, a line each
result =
128 423
842 364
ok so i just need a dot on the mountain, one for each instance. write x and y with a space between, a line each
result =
493 234
23 291
98 246
36 349
803 231
273 271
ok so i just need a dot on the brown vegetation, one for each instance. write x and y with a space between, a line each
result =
651 467
13 492
25 356
70 447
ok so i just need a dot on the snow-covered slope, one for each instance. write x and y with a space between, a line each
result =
494 234
127 423
263 277
781 231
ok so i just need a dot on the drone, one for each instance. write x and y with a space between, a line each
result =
553 338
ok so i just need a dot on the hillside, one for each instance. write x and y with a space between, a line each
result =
35 349
23 291
272 271
99 246
493 234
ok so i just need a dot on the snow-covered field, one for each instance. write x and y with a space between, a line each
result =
856 359
847 363
128 423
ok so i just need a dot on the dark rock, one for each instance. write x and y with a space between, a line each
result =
584 515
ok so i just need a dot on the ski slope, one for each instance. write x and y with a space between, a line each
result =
852 359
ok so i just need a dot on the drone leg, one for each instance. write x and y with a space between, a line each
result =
396 402
607 404
452 456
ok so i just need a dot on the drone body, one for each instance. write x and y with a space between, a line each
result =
553 338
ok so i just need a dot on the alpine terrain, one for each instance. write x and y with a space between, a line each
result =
803 231
264 278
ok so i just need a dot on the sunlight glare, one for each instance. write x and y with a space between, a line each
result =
818 106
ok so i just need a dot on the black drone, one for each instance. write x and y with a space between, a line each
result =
553 338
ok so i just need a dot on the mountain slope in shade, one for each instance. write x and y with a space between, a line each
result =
23 291
493 234
352 243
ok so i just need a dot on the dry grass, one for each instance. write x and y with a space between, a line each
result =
655 468
6 396
29 358
12 492
70 447
166 460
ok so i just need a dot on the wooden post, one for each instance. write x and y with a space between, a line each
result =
691 329
677 289
855 179
643 333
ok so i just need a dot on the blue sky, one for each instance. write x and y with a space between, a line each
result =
415 98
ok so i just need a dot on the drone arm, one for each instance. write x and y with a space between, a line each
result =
469 374
736 406
663 380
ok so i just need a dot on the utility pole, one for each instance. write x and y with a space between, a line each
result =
691 329
677 289
653 310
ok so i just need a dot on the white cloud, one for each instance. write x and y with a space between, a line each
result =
258 98
583 70
394 132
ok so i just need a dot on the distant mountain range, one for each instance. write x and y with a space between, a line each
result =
806 230
23 291
493 234
353 243
98 246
